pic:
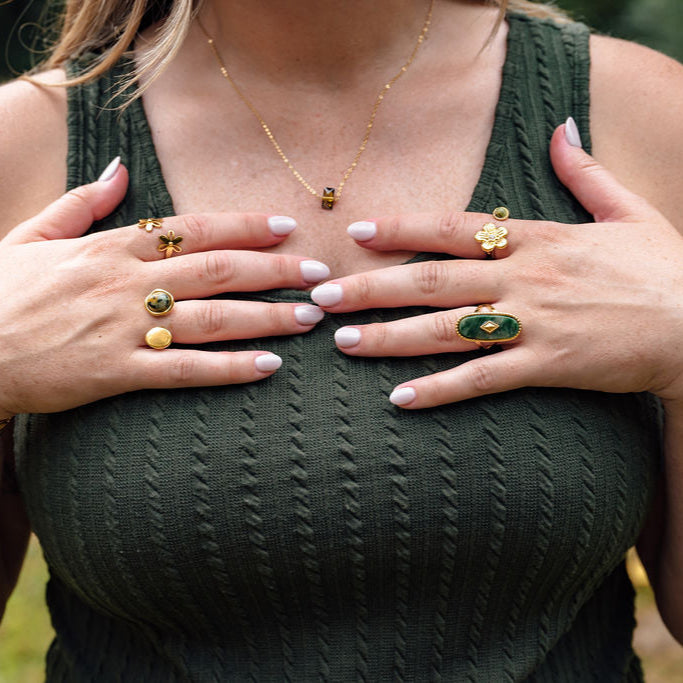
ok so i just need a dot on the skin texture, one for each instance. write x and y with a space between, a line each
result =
626 270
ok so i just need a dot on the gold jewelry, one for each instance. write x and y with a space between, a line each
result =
158 338
5 422
330 195
487 329
159 302
169 244
501 213
494 236
149 224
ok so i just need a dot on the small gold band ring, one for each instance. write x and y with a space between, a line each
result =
159 302
149 224
170 244
158 338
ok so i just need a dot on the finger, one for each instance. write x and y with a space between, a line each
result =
449 233
416 336
194 233
444 284
489 374
600 193
197 276
74 212
198 322
174 368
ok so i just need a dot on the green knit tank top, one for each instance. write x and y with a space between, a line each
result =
302 528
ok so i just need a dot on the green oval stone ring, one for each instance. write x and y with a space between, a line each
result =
488 328
159 302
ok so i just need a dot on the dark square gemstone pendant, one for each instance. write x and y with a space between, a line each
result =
328 198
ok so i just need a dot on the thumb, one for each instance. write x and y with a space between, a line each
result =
599 192
74 212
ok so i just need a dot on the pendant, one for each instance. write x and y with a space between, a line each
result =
328 198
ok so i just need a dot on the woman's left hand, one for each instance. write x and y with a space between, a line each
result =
600 304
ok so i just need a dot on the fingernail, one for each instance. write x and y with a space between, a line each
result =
314 271
347 336
110 171
308 315
401 397
327 295
281 225
362 230
571 131
268 362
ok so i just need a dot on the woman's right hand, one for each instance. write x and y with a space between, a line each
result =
73 321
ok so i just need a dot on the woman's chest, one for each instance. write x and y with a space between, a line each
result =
297 484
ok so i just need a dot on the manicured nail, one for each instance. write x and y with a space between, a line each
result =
281 225
402 397
571 131
314 271
308 315
110 171
362 230
347 336
268 362
327 295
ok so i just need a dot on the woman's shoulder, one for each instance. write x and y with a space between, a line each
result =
636 126
33 146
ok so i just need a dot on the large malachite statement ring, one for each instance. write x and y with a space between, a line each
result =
158 338
159 302
487 328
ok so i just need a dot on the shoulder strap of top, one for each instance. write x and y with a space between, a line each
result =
551 63
99 130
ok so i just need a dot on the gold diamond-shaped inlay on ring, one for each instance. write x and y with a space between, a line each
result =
489 326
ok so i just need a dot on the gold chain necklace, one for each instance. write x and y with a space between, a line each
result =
330 195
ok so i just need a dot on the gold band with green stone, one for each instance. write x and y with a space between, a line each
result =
489 328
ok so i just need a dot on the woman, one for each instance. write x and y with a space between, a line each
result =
413 504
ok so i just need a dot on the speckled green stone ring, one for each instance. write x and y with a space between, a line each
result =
488 328
159 302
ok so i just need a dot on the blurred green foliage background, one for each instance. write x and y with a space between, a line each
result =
657 23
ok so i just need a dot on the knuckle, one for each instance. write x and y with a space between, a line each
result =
431 276
393 229
197 225
281 267
482 377
211 319
182 369
450 226
444 327
363 288
219 268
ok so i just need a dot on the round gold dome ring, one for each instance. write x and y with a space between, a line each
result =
159 302
492 236
158 338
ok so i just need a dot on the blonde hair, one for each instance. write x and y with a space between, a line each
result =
108 28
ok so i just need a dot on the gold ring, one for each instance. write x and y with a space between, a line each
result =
159 302
158 338
493 236
170 244
488 328
149 224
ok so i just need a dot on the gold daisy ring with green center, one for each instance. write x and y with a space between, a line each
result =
486 328
159 302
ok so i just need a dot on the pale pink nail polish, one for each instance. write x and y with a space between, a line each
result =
571 131
267 362
347 336
362 230
403 396
327 295
314 271
308 315
281 225
110 171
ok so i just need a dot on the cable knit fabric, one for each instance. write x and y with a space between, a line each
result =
304 529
